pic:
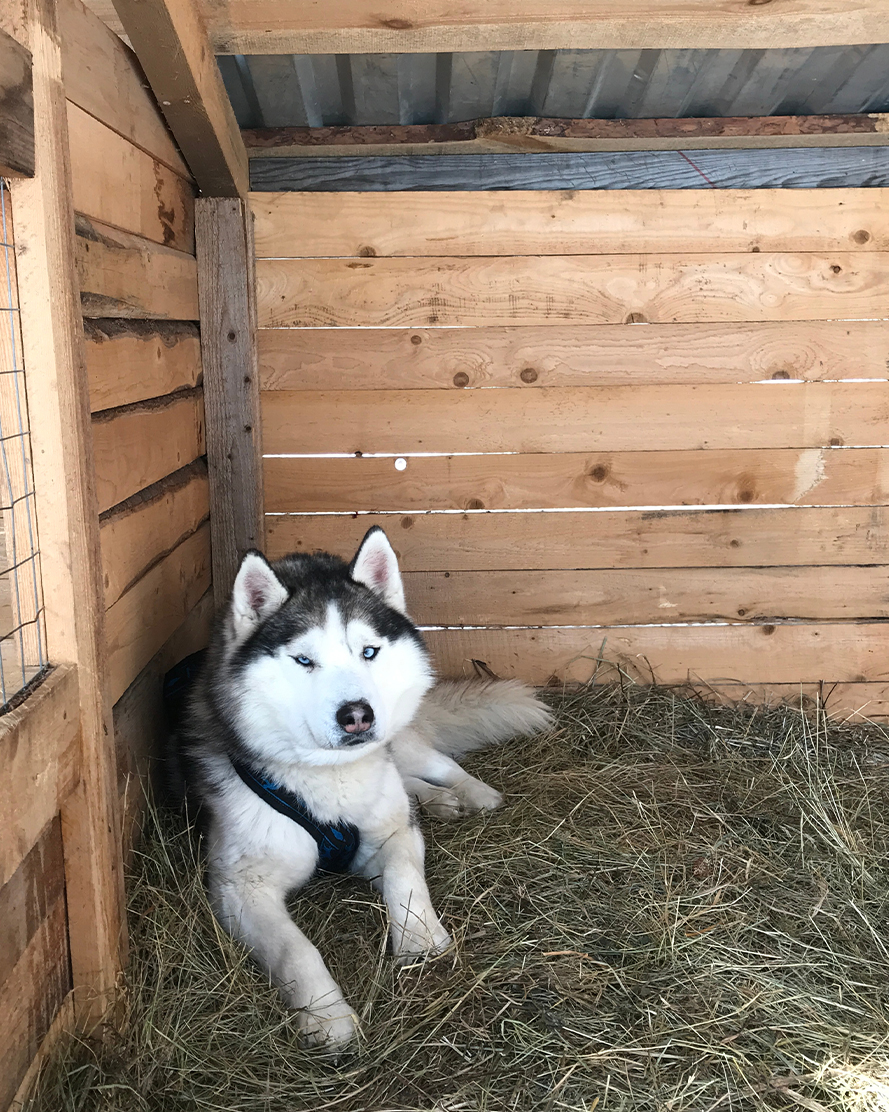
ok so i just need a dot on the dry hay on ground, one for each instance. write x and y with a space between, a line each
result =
680 907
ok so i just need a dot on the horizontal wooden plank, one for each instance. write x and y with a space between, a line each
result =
815 477
140 730
854 703
575 355
579 289
142 619
777 168
120 185
138 445
122 275
615 539
534 134
793 653
102 77
17 118
629 597
28 895
132 360
31 997
357 26
40 758
144 529
576 419
587 222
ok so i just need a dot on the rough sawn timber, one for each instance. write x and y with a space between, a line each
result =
550 222
532 357
778 168
403 26
535 134
231 383
576 289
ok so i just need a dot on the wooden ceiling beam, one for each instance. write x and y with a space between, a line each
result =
171 43
426 26
538 135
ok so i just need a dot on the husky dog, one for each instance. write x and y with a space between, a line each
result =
311 722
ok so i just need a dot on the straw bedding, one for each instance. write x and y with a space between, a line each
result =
680 907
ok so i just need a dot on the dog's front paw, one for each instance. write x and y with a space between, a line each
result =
327 1026
441 803
476 795
419 941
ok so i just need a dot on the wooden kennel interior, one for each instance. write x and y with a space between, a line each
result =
602 426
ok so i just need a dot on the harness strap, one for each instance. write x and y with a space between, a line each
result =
337 844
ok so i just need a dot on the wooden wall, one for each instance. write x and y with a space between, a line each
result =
134 200
706 369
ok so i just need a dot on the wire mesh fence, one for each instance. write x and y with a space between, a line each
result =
22 627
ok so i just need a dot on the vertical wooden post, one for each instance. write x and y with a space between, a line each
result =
227 286
68 524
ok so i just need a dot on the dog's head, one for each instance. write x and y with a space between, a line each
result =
322 663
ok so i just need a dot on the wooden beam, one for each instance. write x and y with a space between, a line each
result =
16 109
58 402
848 167
535 134
365 26
226 284
170 40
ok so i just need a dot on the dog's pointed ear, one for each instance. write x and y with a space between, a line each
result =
376 566
257 593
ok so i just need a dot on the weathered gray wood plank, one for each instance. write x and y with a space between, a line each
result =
777 168
16 109
231 390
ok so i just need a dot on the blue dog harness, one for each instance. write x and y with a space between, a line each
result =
337 845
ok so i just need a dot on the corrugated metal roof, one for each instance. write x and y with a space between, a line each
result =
359 89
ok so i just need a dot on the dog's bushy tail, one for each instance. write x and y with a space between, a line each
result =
464 715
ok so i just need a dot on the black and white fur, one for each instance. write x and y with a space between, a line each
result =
317 677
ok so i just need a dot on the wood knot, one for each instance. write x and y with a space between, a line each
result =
635 318
768 630
780 374
735 543
475 504
745 496
836 442
742 612
861 236
599 473
407 523
367 252
416 340
232 336
528 374
836 268
397 24
461 378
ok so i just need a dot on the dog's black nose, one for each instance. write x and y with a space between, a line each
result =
355 718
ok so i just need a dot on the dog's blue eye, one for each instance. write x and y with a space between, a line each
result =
370 651
304 661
